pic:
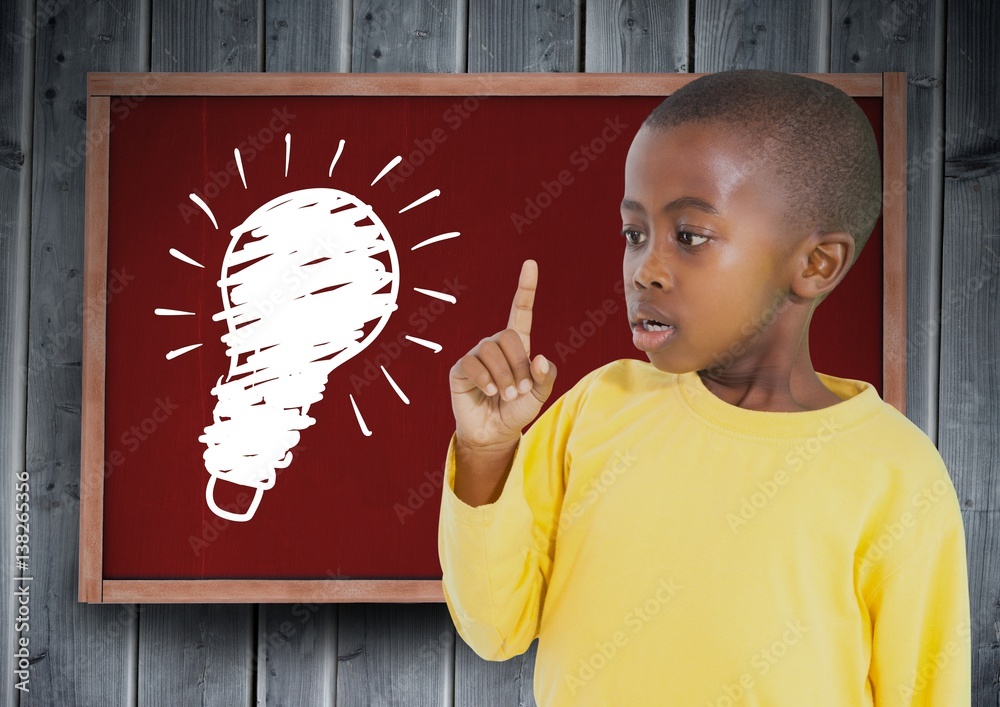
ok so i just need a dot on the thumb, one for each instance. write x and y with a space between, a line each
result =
543 373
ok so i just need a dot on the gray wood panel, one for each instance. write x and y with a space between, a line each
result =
297 655
769 34
86 654
982 529
199 654
397 654
525 36
483 683
393 35
866 38
308 35
192 35
969 389
17 32
202 653
969 392
637 36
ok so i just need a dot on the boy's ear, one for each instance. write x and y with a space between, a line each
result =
827 258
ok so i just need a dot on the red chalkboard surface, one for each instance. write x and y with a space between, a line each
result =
483 182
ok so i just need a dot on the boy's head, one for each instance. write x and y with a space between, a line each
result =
807 135
791 169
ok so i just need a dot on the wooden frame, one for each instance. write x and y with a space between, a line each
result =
93 588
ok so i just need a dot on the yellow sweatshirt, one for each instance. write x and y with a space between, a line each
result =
669 548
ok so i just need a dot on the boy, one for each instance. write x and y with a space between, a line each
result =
722 525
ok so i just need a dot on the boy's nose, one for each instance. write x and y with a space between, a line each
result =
653 271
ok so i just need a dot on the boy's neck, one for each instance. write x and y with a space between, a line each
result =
780 389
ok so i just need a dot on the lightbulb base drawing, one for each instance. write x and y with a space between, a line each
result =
301 281
229 515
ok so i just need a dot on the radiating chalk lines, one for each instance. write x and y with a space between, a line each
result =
300 281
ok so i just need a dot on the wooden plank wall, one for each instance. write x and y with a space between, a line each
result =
15 183
84 657
346 654
968 411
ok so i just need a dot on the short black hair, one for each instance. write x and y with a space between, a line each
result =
813 138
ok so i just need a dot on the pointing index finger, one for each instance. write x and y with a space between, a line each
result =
524 298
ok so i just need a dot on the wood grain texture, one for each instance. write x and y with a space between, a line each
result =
196 655
297 654
894 239
308 35
397 654
401 83
192 35
235 591
982 532
867 37
17 31
767 34
479 682
85 654
637 36
969 417
394 35
95 282
524 36
969 389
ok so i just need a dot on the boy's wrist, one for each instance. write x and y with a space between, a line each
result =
481 471
495 450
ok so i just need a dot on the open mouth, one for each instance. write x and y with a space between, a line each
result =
653 325
650 335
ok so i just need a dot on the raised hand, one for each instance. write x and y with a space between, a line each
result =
496 389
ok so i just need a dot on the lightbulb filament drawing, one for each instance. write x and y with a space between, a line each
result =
302 278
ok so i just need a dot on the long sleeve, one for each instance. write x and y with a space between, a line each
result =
497 558
921 646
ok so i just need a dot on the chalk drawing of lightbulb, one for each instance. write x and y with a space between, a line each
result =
301 279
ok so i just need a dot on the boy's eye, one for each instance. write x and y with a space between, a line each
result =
627 232
682 234
691 240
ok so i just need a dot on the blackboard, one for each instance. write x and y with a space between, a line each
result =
184 169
